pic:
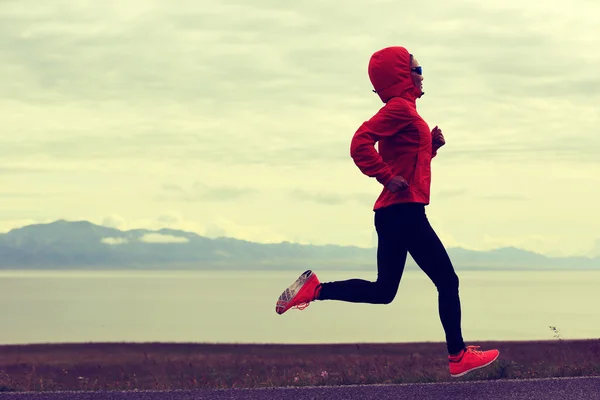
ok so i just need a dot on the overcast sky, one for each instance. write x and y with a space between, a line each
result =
235 117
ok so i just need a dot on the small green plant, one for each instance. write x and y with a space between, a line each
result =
556 332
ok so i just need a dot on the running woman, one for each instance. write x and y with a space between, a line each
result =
403 167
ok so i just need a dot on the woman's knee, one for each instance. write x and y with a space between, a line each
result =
448 283
386 293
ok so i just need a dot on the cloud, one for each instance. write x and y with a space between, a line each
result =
213 231
556 149
114 241
25 169
321 198
199 192
225 193
451 193
254 232
506 197
77 146
167 73
19 195
332 199
115 221
7 225
160 238
172 188
595 251
170 219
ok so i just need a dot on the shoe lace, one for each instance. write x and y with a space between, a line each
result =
478 353
300 306
303 305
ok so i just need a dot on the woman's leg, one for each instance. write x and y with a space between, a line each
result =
391 258
429 253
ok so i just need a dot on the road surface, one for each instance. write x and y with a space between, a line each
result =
582 388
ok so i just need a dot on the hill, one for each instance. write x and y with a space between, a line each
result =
81 244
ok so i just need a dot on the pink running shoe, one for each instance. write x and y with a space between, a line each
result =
470 359
304 290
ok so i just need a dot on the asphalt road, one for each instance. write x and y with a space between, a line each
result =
584 388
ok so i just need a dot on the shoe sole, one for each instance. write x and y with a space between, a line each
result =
288 294
476 368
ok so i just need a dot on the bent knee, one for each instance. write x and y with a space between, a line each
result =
386 299
386 296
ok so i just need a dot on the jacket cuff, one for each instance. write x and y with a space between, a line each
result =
385 178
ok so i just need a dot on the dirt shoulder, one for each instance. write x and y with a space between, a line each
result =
127 366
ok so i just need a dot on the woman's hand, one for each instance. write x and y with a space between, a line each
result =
437 138
397 183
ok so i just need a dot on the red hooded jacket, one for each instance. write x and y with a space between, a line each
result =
404 138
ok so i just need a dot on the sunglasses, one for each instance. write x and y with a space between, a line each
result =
418 70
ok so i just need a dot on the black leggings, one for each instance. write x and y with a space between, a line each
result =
404 228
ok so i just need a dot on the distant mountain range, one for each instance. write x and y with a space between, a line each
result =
83 245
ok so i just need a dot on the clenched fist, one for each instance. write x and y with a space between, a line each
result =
437 138
397 183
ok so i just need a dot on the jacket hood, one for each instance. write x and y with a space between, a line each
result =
389 71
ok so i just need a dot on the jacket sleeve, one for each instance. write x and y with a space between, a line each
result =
390 119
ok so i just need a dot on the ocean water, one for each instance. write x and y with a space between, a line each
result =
239 307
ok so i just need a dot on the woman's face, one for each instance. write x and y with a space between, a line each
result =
417 78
